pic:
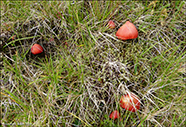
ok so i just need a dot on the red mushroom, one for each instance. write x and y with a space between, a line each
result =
111 24
130 102
36 49
127 31
114 115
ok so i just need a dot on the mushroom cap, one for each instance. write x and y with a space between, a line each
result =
130 102
111 24
127 31
36 49
114 115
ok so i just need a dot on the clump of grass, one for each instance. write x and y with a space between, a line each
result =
84 70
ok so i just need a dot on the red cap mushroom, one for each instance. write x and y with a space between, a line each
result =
127 31
111 24
36 49
130 102
114 115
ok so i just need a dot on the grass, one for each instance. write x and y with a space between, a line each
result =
84 70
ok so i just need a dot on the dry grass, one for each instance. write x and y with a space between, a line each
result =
84 70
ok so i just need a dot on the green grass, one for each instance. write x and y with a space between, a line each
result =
84 70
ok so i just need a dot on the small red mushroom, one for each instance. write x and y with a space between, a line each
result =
114 115
36 49
130 102
111 24
127 31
